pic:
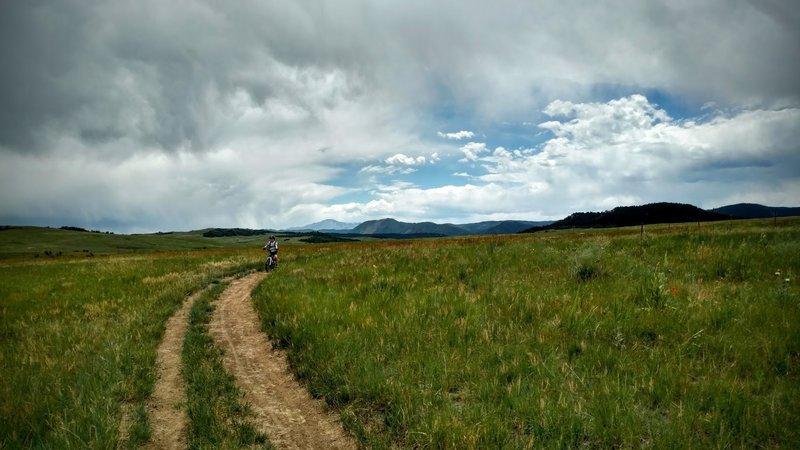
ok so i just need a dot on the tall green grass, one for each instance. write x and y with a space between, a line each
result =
78 339
218 417
678 338
36 242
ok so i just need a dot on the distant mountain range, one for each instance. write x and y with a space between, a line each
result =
755 211
335 231
392 226
617 217
395 228
652 213
325 225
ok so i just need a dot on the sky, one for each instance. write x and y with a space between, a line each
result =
144 116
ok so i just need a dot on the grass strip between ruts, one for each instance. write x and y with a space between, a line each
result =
217 414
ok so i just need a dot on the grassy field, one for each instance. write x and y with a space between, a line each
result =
686 336
78 339
22 243
218 417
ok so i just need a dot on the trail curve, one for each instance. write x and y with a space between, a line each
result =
282 407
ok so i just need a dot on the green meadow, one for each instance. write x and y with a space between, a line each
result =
681 336
218 416
78 338
47 243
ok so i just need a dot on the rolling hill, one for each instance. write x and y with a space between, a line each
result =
326 225
392 226
500 226
624 216
755 211
26 241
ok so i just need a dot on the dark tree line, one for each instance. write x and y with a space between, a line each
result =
625 216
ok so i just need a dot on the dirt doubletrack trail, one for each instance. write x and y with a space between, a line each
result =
166 407
282 407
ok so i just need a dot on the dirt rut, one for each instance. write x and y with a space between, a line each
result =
167 406
283 409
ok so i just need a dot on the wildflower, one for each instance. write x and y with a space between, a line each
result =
673 290
777 273
786 280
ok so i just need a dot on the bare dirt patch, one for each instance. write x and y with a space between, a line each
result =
282 407
167 406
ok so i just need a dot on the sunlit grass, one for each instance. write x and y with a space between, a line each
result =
78 340
606 339
218 416
686 336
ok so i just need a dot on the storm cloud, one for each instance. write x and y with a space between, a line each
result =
171 115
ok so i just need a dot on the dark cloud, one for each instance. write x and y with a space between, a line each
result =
38 49
101 72
180 88
156 71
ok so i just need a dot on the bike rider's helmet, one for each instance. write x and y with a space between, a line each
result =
272 237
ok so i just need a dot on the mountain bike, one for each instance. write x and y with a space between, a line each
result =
271 263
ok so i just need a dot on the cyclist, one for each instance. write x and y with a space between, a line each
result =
272 247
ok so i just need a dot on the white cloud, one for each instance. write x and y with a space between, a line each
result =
627 148
624 119
406 160
398 164
472 150
259 117
459 135
396 186
622 152
387 170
